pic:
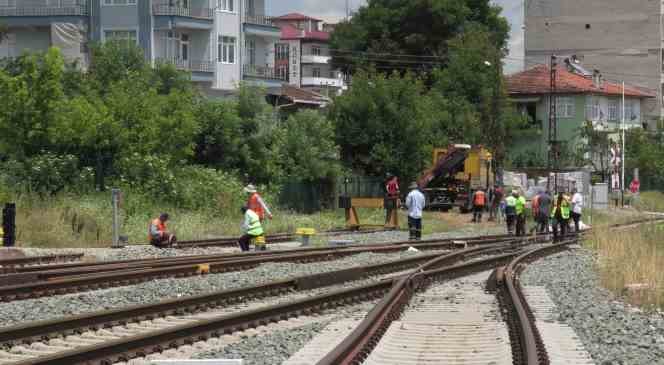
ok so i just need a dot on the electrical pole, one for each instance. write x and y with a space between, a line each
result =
347 9
553 127
622 149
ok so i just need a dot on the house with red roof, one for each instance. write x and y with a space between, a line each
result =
303 55
581 96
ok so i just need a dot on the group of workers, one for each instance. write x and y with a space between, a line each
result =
255 212
546 210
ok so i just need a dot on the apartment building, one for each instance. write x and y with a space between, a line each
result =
221 42
303 55
622 39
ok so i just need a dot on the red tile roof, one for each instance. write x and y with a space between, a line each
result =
297 16
289 32
537 80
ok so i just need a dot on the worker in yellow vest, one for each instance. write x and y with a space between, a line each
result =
560 217
251 229
520 208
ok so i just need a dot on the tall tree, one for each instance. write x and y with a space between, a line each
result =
411 34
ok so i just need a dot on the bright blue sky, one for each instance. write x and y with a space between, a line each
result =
333 10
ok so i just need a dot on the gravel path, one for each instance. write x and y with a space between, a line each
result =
157 290
611 331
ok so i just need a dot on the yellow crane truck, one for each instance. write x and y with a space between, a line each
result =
456 173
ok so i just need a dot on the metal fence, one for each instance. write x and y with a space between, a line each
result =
307 196
167 7
44 8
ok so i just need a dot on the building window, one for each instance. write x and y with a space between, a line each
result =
316 72
631 111
592 108
565 107
282 73
333 74
226 49
121 35
614 110
281 51
250 46
119 2
315 50
226 5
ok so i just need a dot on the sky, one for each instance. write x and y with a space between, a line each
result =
334 10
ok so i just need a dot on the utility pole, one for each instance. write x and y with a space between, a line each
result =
347 9
622 150
553 128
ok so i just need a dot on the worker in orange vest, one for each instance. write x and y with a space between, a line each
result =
158 235
479 203
256 203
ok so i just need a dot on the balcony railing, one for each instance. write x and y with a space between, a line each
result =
262 72
189 65
259 20
169 8
44 8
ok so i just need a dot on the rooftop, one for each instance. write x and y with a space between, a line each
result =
296 16
537 80
289 32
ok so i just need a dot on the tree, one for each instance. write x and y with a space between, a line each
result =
114 61
304 148
411 34
31 94
385 124
473 77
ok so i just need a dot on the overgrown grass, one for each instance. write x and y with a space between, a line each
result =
650 201
85 221
632 257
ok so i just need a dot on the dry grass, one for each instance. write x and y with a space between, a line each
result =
650 201
632 257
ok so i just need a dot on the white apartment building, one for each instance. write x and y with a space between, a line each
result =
221 42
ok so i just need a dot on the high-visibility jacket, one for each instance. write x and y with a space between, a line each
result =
479 199
255 205
254 227
520 205
564 209
510 205
156 229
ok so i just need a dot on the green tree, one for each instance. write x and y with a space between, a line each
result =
385 124
30 94
304 148
387 33
115 61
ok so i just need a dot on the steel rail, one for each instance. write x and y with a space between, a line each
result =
8 265
43 329
141 345
69 282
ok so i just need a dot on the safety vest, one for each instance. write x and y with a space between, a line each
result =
255 205
255 228
480 198
161 228
510 205
520 205
564 210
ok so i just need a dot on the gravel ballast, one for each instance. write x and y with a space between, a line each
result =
611 331
157 290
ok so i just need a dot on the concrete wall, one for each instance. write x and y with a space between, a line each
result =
307 48
620 38
228 76
259 6
307 70
31 40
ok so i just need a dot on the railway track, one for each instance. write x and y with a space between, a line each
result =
115 340
15 264
84 277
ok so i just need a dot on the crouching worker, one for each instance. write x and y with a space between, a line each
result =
251 230
158 235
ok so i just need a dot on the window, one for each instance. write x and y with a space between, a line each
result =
565 107
316 72
333 74
614 110
119 2
226 49
631 111
282 73
281 51
121 35
592 108
226 5
250 46
315 50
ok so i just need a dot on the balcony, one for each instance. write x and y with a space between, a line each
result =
322 81
168 8
259 20
189 65
315 59
261 72
43 8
